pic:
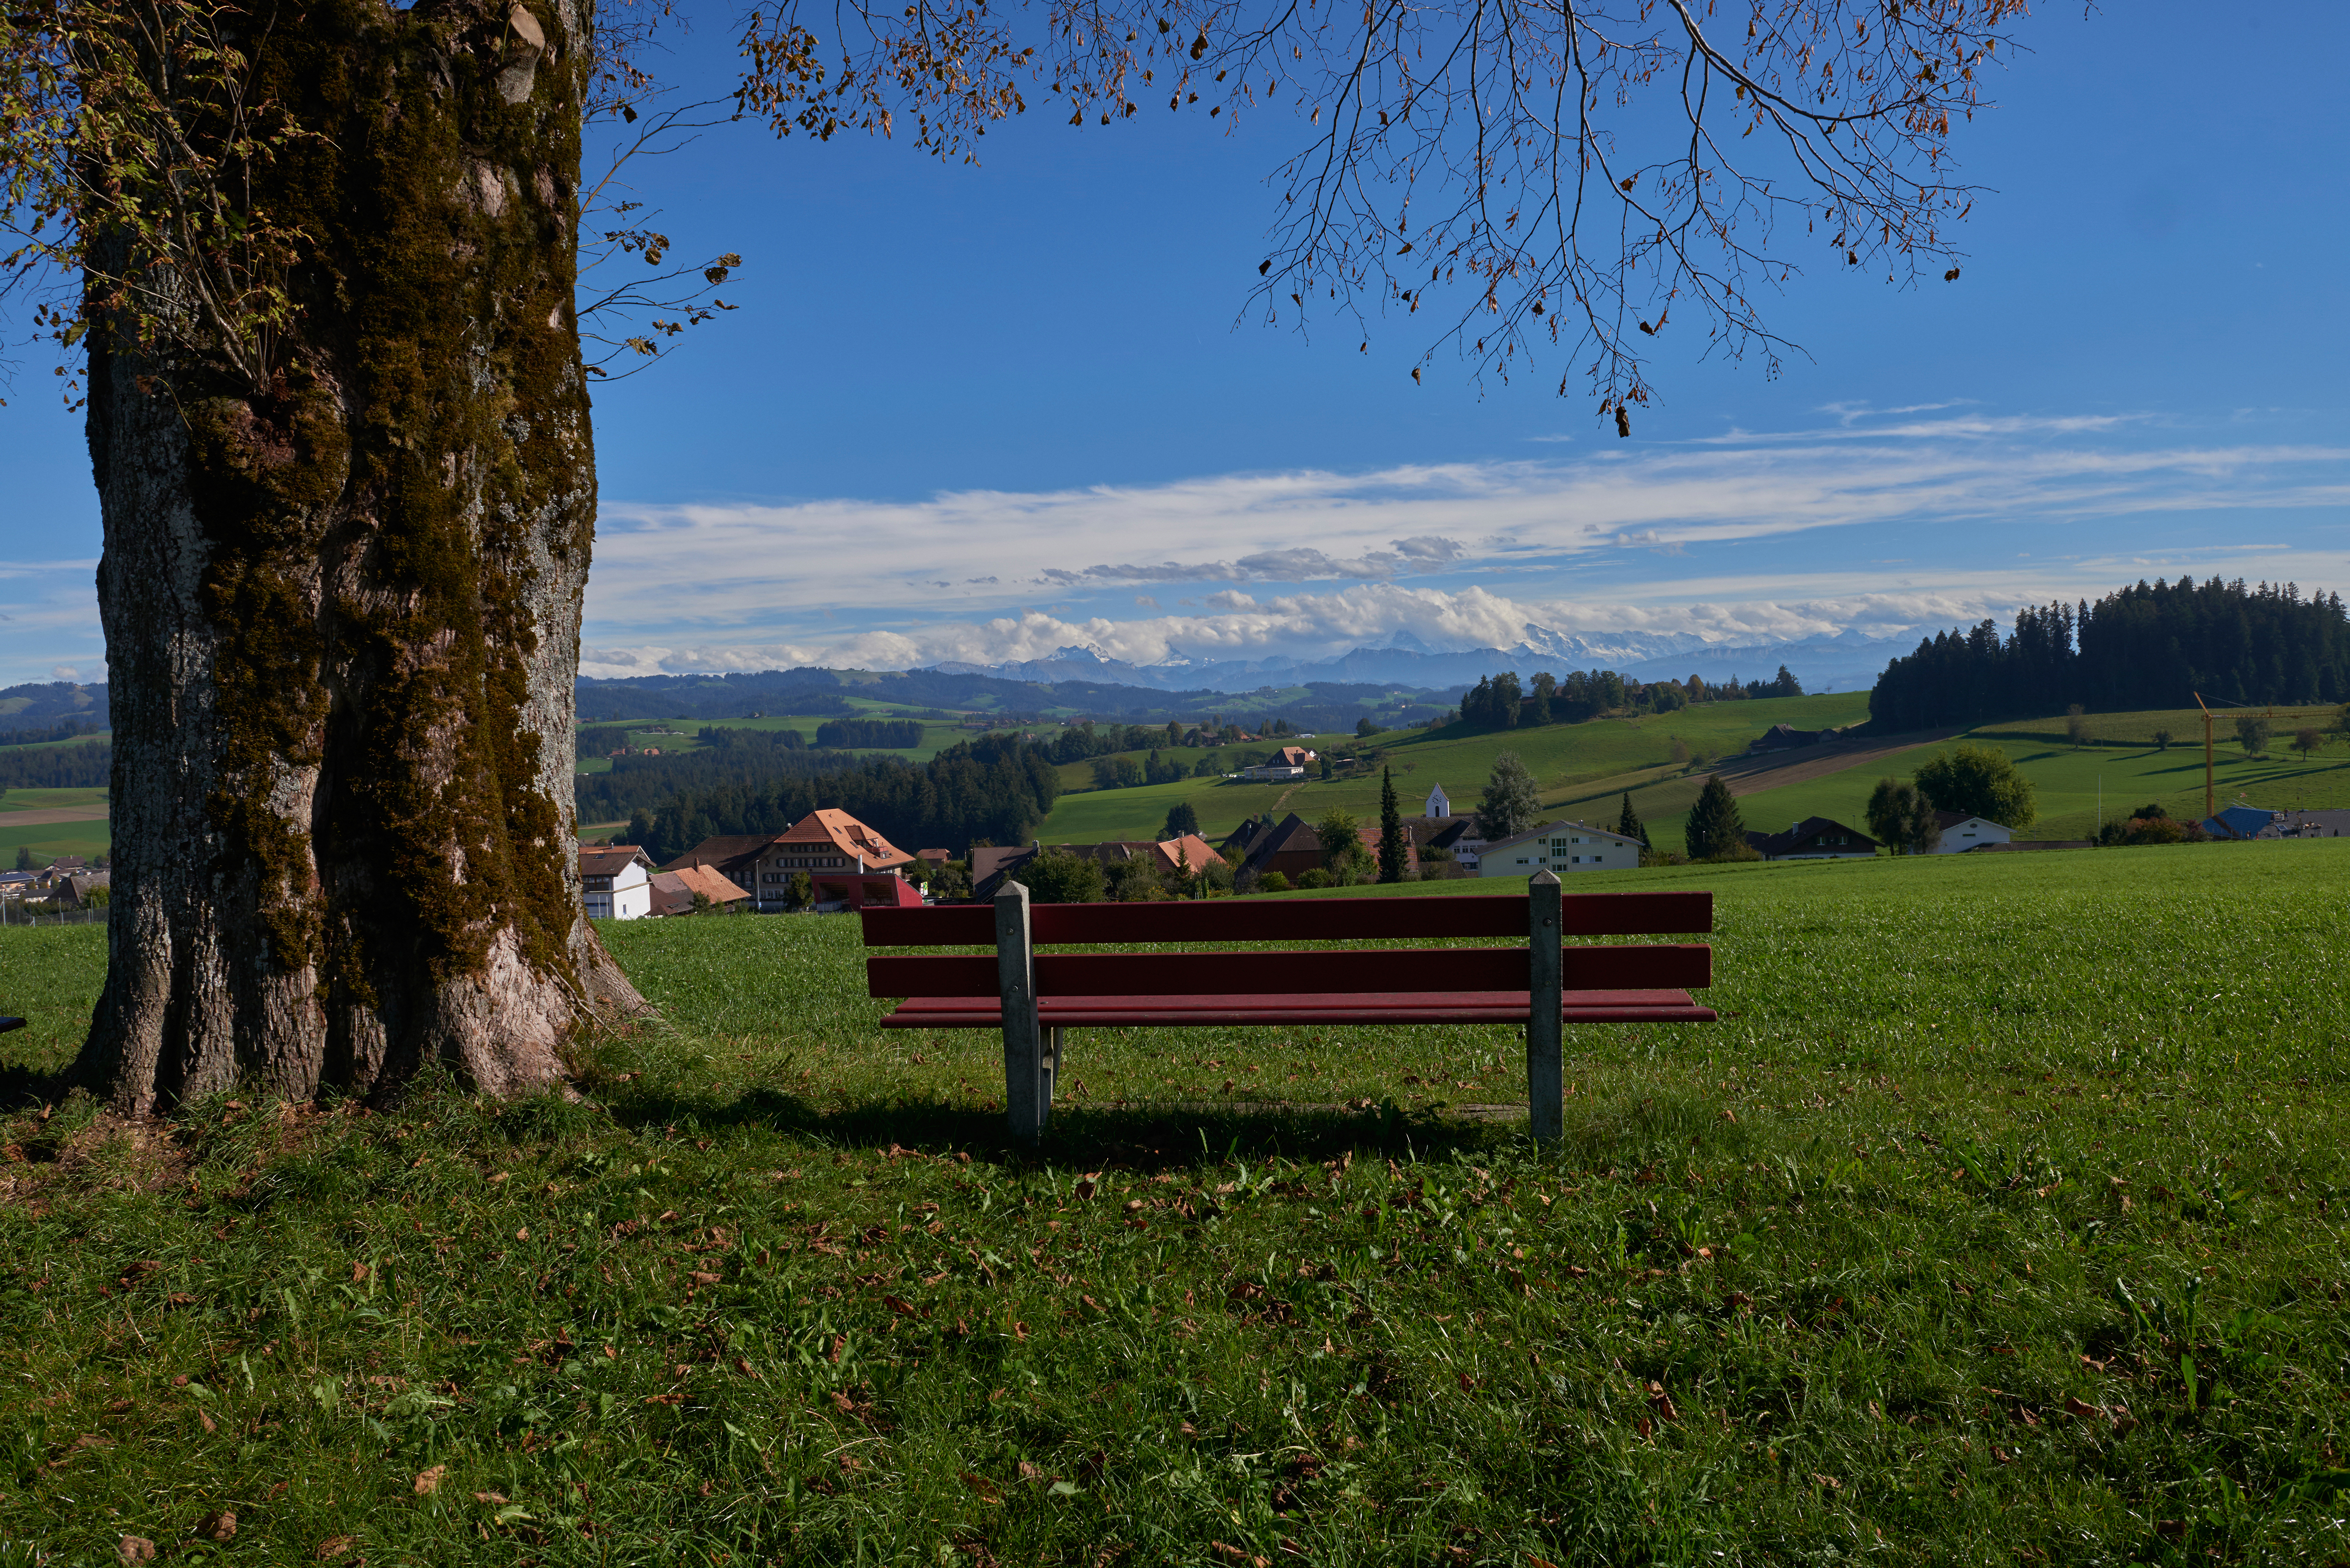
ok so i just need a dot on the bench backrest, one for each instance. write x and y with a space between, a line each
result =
1298 920
1370 971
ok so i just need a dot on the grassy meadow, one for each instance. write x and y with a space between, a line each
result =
1571 763
1993 1223
2068 781
1584 770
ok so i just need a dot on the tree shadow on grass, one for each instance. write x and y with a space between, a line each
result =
25 1088
1140 1136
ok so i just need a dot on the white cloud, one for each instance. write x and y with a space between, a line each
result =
65 673
707 572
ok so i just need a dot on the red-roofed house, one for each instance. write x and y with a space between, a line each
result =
1189 851
673 891
841 854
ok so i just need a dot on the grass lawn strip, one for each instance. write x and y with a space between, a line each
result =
1996 1221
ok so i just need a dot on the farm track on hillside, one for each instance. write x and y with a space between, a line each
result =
1751 775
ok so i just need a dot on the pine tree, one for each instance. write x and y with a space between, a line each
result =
1392 853
1629 825
1715 826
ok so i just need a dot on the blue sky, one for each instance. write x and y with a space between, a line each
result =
980 414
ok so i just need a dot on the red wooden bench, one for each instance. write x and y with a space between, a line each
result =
1035 998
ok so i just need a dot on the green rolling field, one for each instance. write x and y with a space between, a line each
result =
1571 762
2069 782
1584 770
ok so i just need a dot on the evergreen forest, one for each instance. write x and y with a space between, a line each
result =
2142 647
1499 703
994 789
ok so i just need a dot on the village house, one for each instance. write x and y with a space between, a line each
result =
1190 852
989 866
1784 737
616 882
1290 847
849 865
1963 832
73 891
1815 838
847 862
1561 847
673 891
2242 821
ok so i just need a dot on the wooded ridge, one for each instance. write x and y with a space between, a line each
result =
2140 647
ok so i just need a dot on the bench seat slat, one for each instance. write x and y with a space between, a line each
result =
1422 918
1440 971
1187 1011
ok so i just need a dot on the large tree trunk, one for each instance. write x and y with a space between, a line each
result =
342 612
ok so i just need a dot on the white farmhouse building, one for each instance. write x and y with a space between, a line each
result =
1961 832
616 882
1561 847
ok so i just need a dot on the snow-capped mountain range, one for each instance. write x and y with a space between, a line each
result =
1841 662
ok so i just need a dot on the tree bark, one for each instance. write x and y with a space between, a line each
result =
342 609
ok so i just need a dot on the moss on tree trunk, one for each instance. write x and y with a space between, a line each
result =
342 612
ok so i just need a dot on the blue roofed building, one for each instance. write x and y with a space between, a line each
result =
2243 822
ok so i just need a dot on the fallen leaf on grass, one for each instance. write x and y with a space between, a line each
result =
206 1418
358 1272
334 1546
1029 1473
496 1500
2086 1412
429 1481
221 1526
1828 1481
901 1307
987 1490
1662 1403
699 1278
136 1549
1999 1455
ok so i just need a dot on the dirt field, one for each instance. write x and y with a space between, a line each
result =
9 819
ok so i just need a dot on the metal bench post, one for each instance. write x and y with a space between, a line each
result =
1545 1010
1028 1085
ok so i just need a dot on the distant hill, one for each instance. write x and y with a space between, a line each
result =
50 711
1317 704
1846 660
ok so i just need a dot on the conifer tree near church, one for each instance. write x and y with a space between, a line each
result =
1394 857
